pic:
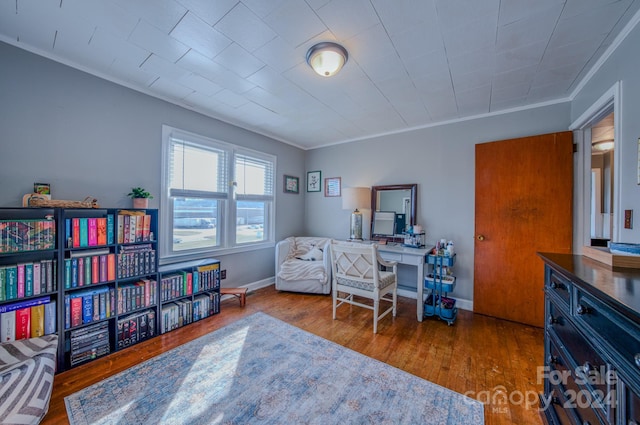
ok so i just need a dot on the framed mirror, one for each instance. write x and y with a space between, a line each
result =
398 198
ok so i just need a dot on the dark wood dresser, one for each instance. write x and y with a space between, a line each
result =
592 342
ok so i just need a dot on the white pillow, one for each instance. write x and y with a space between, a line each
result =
314 254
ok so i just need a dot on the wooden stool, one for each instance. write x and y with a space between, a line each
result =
241 293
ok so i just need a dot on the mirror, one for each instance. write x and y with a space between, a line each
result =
398 198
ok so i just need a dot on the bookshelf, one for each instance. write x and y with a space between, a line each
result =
189 292
92 277
29 289
109 280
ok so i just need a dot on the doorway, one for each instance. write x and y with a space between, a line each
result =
602 179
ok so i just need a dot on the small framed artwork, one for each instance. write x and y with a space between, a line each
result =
314 181
291 184
332 186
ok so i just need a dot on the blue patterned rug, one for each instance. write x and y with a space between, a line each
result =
262 370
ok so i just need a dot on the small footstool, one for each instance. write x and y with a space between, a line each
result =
241 293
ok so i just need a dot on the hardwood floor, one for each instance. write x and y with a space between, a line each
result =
492 360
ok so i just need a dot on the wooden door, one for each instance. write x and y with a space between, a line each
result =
523 205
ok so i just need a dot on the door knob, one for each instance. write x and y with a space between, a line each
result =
480 237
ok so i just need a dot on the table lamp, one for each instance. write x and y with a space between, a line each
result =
352 199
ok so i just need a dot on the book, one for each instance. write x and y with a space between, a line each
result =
146 228
75 309
28 279
110 229
37 276
23 323
92 234
75 232
23 304
84 232
3 284
101 226
37 321
20 281
139 227
50 317
11 275
8 326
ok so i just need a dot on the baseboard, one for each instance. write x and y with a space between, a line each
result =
461 303
252 286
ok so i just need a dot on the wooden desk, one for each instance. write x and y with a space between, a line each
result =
413 257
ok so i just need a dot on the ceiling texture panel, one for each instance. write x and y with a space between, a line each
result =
412 63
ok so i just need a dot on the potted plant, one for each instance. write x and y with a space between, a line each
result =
140 197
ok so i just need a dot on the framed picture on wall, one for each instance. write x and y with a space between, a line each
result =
314 181
291 184
332 186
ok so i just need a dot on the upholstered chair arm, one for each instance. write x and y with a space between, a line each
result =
282 251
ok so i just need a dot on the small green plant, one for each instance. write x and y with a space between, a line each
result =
138 192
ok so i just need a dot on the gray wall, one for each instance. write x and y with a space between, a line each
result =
622 66
441 161
90 137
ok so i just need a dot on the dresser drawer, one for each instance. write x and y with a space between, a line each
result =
632 408
558 285
621 334
586 403
588 367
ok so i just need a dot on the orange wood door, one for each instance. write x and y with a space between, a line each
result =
523 205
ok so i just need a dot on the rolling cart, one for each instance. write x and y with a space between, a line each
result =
439 283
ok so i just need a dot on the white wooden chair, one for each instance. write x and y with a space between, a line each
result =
355 271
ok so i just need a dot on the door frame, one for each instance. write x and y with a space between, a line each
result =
609 102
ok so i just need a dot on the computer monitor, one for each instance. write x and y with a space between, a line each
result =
384 223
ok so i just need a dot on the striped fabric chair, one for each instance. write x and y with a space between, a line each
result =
355 268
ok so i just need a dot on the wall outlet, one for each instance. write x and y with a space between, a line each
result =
628 219
223 274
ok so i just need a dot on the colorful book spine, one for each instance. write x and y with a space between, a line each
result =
20 282
28 279
8 326
23 323
110 229
92 234
101 227
37 321
75 231
37 277
84 232
50 317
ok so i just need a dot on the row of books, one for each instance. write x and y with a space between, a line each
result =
136 260
28 319
88 232
181 283
27 279
89 267
134 226
88 343
136 328
183 312
27 235
133 296
89 305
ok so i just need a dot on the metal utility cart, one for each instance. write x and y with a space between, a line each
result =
439 283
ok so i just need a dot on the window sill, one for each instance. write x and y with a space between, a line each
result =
215 252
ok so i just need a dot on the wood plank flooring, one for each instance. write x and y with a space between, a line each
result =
494 361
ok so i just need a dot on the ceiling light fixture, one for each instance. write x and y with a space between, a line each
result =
327 58
602 146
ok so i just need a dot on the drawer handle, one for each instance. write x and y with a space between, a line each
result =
552 360
551 320
637 359
582 309
554 285
586 367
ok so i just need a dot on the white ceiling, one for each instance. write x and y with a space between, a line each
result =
412 63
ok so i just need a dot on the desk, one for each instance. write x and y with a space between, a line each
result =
413 257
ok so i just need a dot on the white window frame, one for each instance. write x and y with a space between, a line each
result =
227 215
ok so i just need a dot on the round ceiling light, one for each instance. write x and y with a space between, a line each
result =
327 58
602 146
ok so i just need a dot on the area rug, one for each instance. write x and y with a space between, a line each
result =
262 370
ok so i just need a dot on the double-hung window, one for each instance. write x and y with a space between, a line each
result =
215 196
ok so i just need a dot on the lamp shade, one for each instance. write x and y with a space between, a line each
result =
327 58
354 198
